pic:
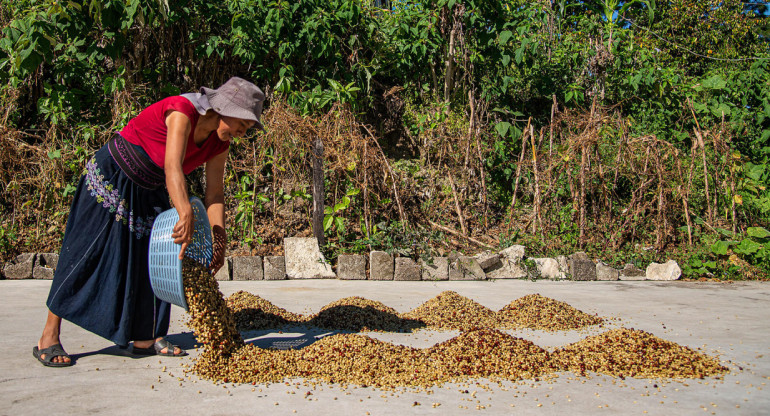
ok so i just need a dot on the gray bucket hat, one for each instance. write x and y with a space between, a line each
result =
237 98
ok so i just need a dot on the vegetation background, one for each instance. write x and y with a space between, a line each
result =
633 130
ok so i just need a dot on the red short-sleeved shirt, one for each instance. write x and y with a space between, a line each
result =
148 130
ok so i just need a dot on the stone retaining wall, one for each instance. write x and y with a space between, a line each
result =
306 262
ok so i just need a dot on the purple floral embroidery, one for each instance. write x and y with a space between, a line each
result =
110 198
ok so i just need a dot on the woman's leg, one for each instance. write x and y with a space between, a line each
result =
51 336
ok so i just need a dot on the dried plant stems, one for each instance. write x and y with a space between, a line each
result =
537 223
684 194
457 204
554 106
471 127
524 134
483 186
392 177
731 166
699 136
367 214
702 146
659 238
459 234
582 200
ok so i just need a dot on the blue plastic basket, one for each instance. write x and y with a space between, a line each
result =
165 266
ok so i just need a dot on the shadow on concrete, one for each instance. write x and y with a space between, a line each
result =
111 350
184 340
290 337
255 319
340 317
368 318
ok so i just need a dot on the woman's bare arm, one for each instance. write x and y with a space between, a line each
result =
215 206
178 130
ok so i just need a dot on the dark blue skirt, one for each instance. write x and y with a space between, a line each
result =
102 282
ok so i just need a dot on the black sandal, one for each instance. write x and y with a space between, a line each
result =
157 349
55 350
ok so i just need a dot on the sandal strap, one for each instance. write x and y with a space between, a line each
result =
55 350
164 343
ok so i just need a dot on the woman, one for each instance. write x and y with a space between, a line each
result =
102 280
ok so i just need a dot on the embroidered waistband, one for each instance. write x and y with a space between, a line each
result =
136 163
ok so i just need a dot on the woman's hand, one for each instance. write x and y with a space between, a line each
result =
183 231
220 248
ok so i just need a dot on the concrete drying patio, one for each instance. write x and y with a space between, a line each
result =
728 320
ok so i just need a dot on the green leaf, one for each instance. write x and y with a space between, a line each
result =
757 232
55 154
721 109
748 246
502 128
504 36
726 233
720 248
715 82
519 55
340 224
69 190
328 222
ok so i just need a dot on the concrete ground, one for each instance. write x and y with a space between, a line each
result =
728 320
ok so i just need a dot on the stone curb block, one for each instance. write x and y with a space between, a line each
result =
466 268
406 269
667 271
381 266
606 273
511 267
45 266
247 268
549 268
20 267
489 261
437 271
304 259
224 272
351 267
631 273
581 267
274 268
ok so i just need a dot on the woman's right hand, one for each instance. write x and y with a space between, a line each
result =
183 232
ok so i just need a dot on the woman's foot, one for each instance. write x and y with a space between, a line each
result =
55 352
50 338
160 346
59 357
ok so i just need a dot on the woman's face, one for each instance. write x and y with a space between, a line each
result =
230 127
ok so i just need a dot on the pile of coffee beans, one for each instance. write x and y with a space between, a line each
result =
479 351
540 312
210 318
450 310
632 353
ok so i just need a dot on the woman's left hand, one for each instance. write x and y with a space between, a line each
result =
220 248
